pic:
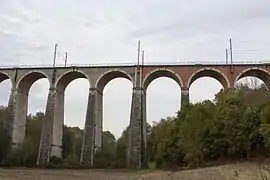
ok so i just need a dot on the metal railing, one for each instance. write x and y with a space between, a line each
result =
236 62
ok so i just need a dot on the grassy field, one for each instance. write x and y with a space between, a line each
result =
243 171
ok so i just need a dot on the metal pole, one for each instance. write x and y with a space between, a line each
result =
231 51
66 58
143 160
226 56
54 56
139 49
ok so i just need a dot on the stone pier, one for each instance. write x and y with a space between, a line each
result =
98 119
137 131
20 102
184 97
88 144
47 130
11 115
57 136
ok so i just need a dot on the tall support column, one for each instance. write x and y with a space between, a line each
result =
11 113
98 119
137 131
144 131
184 96
19 101
47 130
88 144
58 123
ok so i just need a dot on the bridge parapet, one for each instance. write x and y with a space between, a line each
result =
125 64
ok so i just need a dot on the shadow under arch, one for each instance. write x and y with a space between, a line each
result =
259 73
4 76
108 76
26 81
66 78
150 77
210 72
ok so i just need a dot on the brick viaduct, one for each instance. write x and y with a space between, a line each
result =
98 77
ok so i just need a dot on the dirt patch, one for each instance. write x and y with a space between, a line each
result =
243 171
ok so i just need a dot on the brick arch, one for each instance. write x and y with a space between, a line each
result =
151 76
210 72
67 77
28 79
259 73
108 76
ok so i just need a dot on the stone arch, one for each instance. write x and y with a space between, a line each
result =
257 72
4 76
210 72
106 77
21 106
28 79
150 77
64 79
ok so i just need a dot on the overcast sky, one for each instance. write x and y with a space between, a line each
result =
107 31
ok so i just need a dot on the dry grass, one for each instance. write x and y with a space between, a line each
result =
243 171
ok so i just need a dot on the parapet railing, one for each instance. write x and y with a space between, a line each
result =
236 62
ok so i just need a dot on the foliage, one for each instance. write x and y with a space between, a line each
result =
236 125
5 139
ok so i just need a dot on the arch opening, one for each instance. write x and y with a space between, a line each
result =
212 73
161 73
253 78
75 106
64 80
250 82
204 88
5 89
70 113
72 107
253 90
4 77
25 83
163 99
116 105
37 96
31 108
109 76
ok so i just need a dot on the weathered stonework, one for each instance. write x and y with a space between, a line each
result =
20 102
98 119
184 97
137 131
11 115
88 144
47 130
58 121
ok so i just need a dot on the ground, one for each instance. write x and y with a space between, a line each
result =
243 171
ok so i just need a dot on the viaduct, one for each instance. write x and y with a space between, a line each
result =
98 76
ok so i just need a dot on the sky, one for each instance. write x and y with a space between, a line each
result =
97 32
